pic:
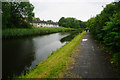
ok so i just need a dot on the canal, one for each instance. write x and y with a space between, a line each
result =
20 55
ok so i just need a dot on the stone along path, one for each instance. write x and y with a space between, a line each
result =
89 62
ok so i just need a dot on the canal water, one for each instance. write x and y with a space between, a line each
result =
19 55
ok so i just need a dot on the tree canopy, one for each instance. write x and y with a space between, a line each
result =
17 14
49 21
38 19
71 23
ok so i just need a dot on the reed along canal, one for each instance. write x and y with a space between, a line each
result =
20 55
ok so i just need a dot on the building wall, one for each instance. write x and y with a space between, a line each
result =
44 25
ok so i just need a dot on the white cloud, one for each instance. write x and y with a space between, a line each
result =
55 9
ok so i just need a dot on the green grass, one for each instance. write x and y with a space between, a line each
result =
56 63
17 33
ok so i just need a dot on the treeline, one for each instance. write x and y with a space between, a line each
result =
17 14
71 23
105 27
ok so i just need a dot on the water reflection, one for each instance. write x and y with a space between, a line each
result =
69 37
45 45
19 55
16 56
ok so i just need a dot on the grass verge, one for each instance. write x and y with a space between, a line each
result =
18 33
56 63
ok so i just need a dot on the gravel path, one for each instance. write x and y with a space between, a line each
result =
90 62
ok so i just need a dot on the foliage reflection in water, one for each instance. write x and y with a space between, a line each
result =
20 55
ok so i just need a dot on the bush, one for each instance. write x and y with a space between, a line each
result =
105 27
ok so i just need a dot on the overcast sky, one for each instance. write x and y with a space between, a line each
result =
79 9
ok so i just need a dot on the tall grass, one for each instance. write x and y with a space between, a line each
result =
56 63
15 33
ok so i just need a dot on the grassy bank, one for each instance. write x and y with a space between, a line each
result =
17 33
56 62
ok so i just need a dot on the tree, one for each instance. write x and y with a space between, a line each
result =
70 22
49 21
38 19
61 21
15 13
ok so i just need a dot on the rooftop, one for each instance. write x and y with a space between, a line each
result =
45 22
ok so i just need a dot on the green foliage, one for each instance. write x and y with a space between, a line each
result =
116 58
71 23
112 30
38 19
17 33
49 21
17 14
106 28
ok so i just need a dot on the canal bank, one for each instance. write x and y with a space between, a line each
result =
14 33
56 63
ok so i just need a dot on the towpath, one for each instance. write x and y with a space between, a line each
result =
90 62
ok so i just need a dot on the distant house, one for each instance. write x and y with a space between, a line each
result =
39 23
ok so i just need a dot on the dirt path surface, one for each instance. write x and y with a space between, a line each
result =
90 62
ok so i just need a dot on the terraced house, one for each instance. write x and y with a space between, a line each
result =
39 23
